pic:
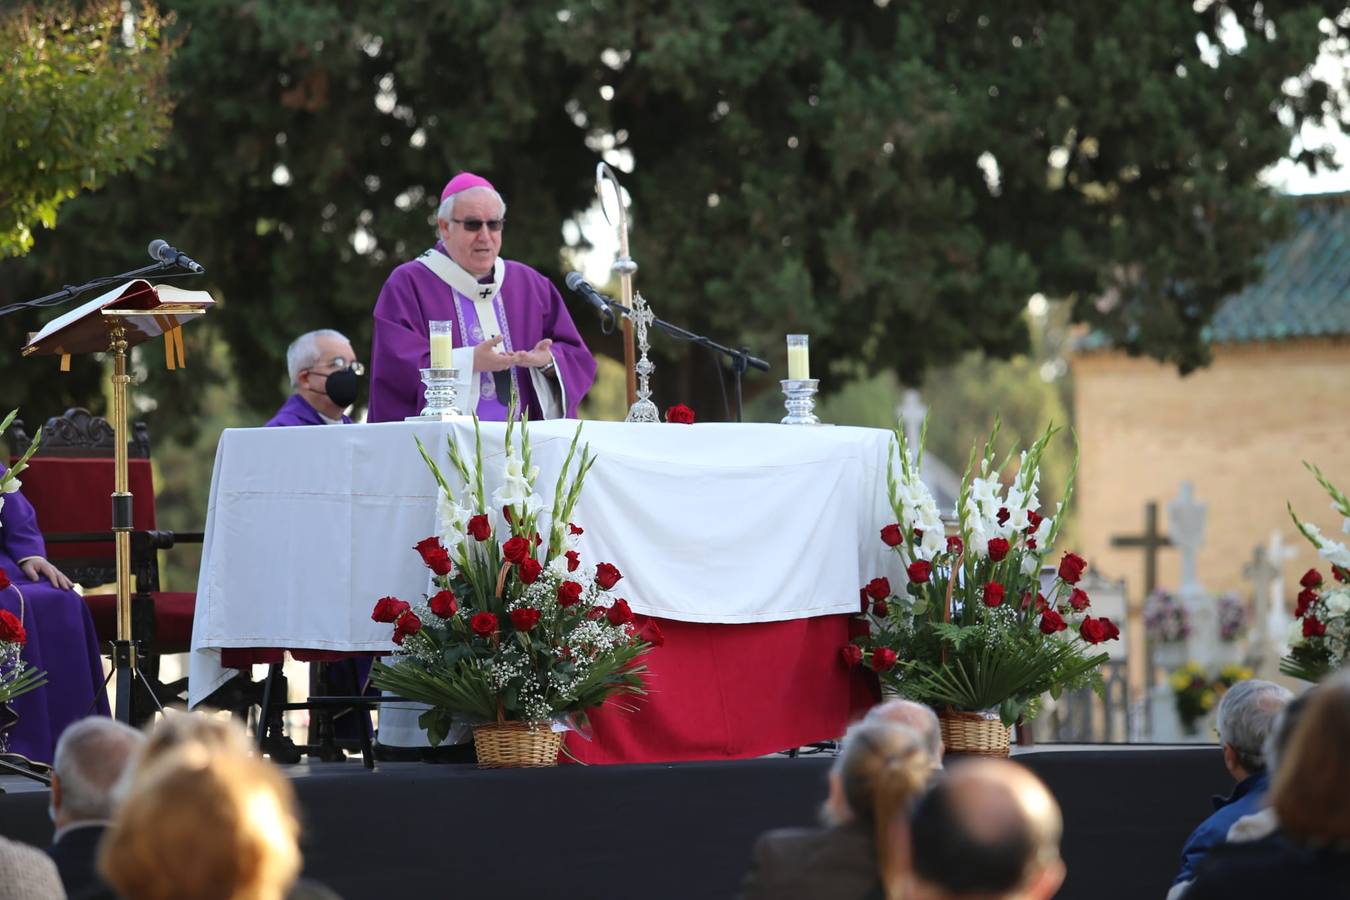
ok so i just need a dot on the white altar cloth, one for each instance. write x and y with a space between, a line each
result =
307 527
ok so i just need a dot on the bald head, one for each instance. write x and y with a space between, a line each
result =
915 716
989 830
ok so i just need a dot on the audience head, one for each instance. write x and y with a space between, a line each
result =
1283 729
917 717
1313 781
91 757
989 829
1245 718
206 823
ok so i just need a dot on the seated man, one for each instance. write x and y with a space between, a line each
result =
917 717
1245 718
60 636
91 758
323 370
990 829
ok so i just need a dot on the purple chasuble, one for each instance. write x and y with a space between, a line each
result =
297 411
414 295
61 641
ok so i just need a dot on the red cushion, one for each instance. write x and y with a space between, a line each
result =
173 618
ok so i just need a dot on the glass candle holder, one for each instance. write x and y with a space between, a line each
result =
441 393
442 344
799 398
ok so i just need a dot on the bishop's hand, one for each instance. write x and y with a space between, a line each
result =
537 358
487 359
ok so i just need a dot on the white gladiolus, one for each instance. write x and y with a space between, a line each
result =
452 521
1336 553
12 485
1031 564
1345 525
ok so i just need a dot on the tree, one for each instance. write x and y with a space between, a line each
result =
85 98
895 179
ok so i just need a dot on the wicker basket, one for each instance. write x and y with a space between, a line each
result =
974 733
511 745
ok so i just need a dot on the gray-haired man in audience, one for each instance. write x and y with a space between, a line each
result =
91 756
918 718
1244 720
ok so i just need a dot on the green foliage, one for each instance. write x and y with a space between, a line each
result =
894 179
85 97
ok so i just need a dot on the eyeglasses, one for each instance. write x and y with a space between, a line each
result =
477 224
339 363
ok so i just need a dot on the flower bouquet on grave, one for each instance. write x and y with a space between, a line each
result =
973 634
519 634
1320 632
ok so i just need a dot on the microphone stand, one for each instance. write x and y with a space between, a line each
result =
70 292
741 360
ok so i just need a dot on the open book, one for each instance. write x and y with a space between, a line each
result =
146 310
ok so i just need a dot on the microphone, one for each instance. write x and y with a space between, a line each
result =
160 250
579 285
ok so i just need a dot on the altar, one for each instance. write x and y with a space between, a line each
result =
747 543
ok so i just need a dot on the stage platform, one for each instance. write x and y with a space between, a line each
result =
677 831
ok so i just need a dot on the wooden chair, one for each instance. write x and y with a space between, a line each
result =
69 482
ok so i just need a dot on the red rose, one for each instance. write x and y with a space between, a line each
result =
998 548
852 654
1340 574
954 545
1041 604
883 658
1092 630
444 604
619 613
919 570
1112 632
607 576
1306 598
1311 579
1312 627
1002 515
652 633
1071 567
11 629
881 609
4 580
994 594
506 514
595 612
537 541
573 529
891 536
516 550
428 546
680 414
1033 521
878 588
529 570
483 623
1051 622
918 534
573 560
1031 543
388 609
569 593
525 618
479 529
407 624
1078 600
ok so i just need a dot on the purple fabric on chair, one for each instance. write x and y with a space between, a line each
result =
61 641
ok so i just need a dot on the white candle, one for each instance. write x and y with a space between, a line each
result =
442 345
798 357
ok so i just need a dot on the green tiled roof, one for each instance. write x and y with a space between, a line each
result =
1306 288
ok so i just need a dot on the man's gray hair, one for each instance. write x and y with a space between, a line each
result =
91 756
1246 718
304 351
917 716
447 207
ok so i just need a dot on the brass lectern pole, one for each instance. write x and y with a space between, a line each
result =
124 649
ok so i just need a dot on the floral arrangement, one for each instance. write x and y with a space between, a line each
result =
16 677
1233 618
510 633
1196 694
680 414
1320 632
1165 620
974 630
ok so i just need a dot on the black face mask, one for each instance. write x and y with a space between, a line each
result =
341 387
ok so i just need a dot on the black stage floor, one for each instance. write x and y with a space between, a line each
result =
678 831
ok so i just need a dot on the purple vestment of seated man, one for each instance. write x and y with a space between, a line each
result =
61 641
